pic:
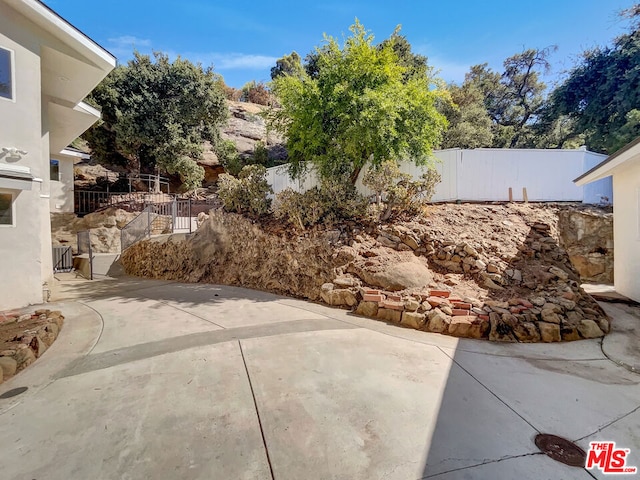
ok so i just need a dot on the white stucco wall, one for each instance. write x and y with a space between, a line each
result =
62 190
22 245
626 230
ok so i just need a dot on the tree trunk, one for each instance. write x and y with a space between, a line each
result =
353 178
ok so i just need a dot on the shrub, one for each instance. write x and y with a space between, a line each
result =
260 154
246 194
329 203
402 193
255 92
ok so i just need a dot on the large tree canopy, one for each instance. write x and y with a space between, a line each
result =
157 114
601 95
358 107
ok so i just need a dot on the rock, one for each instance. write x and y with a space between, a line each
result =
604 324
538 301
446 309
558 272
469 250
550 316
549 332
8 353
573 318
388 315
425 307
526 332
38 346
438 321
386 242
345 281
367 309
589 329
491 285
411 242
500 331
480 265
8 366
515 275
400 272
413 320
24 318
569 333
469 326
411 305
493 268
567 304
496 304
24 357
341 297
48 333
325 290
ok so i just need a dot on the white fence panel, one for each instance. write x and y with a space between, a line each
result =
487 174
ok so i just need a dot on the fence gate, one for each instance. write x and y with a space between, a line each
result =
62 259
182 215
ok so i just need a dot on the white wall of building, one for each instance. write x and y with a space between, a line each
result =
486 174
62 189
21 245
626 230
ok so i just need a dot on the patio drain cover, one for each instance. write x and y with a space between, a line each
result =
14 392
561 450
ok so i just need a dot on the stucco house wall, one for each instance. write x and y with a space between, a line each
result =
54 67
626 230
22 244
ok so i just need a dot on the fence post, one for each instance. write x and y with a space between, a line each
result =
190 220
148 219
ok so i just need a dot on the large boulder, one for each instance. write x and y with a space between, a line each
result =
399 271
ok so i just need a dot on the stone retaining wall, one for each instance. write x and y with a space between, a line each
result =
587 236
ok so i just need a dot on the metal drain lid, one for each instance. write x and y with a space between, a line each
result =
14 392
561 450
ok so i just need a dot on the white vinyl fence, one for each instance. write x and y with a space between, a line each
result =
487 174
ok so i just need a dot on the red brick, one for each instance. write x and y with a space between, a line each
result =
370 297
483 317
463 306
391 305
460 312
439 293
370 291
394 298
455 299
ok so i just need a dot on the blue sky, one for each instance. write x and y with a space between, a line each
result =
243 39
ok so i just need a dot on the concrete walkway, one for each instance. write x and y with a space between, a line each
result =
161 380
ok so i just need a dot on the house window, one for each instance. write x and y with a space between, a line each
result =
6 74
54 170
6 209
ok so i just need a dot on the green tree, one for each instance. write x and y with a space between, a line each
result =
514 99
157 114
470 125
288 65
359 109
415 64
601 94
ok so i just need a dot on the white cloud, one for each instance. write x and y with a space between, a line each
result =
230 61
129 41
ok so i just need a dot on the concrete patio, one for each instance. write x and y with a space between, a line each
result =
162 380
